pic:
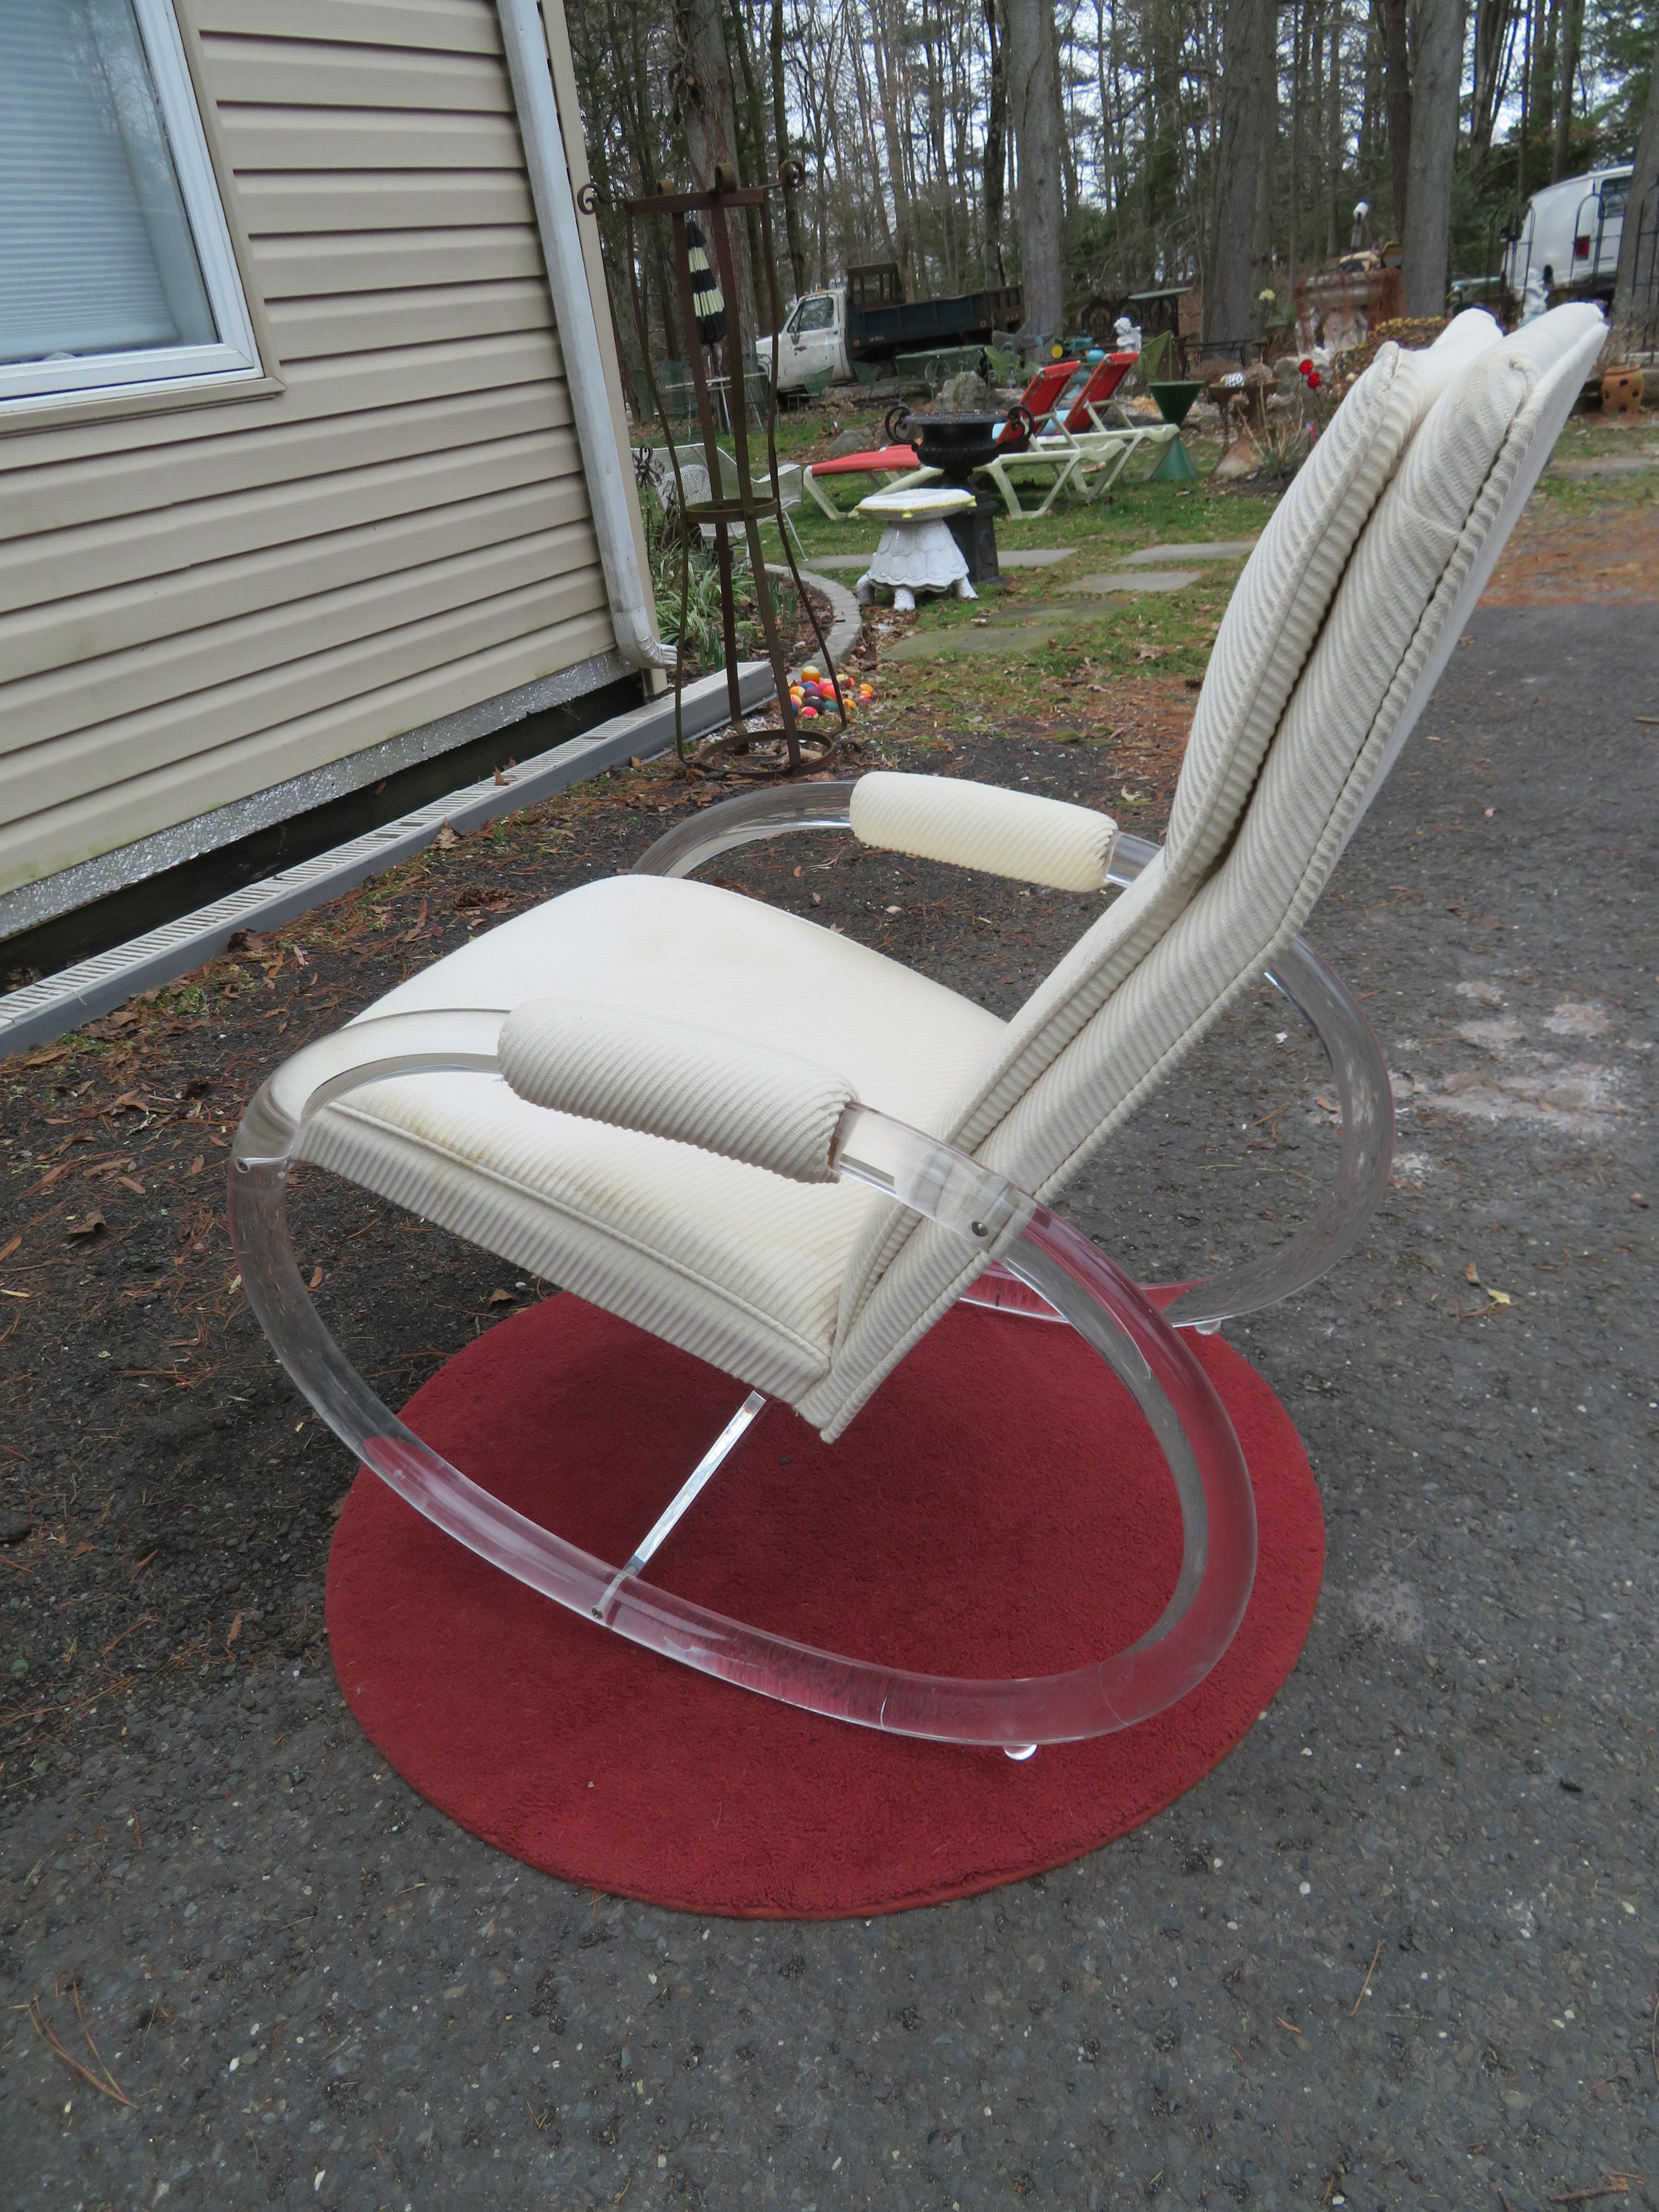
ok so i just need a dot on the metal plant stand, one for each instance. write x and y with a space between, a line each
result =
752 500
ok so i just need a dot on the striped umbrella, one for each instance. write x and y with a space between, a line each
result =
708 305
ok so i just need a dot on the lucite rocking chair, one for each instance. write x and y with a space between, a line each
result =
789 1156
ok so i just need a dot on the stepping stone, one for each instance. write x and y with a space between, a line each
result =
1145 580
859 561
1014 631
1038 556
1219 549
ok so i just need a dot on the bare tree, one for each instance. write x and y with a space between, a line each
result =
996 138
780 131
1572 28
1496 25
1033 88
705 108
1435 96
1644 181
1248 57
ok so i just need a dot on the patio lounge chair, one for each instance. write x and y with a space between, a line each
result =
694 473
789 1156
895 466
1079 446
889 465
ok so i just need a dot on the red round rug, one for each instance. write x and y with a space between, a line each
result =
999 1508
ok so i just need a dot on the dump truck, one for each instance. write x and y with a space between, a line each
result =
868 320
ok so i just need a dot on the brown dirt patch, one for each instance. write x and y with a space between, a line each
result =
1606 557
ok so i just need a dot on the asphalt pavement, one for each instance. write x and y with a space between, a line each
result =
1403 1948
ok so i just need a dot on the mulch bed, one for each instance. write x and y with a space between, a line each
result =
165 1498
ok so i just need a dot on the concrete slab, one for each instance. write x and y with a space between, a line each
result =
1143 580
1219 549
854 561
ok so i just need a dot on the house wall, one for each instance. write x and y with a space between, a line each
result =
204 600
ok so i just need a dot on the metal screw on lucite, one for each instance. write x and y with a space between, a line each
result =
1175 403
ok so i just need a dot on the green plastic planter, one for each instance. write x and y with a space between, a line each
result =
1175 402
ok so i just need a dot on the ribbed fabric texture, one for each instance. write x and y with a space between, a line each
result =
739 1267
1265 636
725 1095
979 825
1413 579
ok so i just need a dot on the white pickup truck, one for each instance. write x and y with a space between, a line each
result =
868 319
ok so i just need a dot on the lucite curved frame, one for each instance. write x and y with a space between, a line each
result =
1046 1255
1359 1073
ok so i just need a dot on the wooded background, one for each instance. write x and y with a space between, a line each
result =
1100 145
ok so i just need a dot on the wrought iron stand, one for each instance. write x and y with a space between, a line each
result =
752 501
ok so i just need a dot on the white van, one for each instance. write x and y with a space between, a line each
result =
1567 244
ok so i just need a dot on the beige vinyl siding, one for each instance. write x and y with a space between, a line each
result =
202 602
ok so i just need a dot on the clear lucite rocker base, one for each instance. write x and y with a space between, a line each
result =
1033 1264
1211 1482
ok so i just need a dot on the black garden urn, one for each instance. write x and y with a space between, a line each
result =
957 445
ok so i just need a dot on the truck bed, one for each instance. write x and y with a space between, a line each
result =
912 326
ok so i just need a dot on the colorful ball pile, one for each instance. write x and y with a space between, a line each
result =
814 694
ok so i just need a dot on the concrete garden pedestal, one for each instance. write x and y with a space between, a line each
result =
917 552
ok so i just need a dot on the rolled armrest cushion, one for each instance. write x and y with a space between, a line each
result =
667 1079
979 825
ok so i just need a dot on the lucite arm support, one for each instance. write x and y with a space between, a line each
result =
988 1214
1359 1074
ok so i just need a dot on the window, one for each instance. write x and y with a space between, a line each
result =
116 267
818 313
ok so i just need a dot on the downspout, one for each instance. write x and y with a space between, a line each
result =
631 605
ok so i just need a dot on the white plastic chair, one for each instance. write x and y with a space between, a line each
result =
789 1156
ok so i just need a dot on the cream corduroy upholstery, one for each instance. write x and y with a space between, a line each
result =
747 1102
1037 1114
1337 629
978 825
738 1265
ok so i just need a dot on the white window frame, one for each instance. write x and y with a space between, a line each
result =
235 358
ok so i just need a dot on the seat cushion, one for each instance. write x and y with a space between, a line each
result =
734 1264
877 461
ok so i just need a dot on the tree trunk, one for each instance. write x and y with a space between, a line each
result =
705 109
797 245
751 158
1247 52
1298 70
1572 26
1397 92
996 141
1434 148
1496 25
1034 73
1629 300
704 105
1336 234
1262 249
